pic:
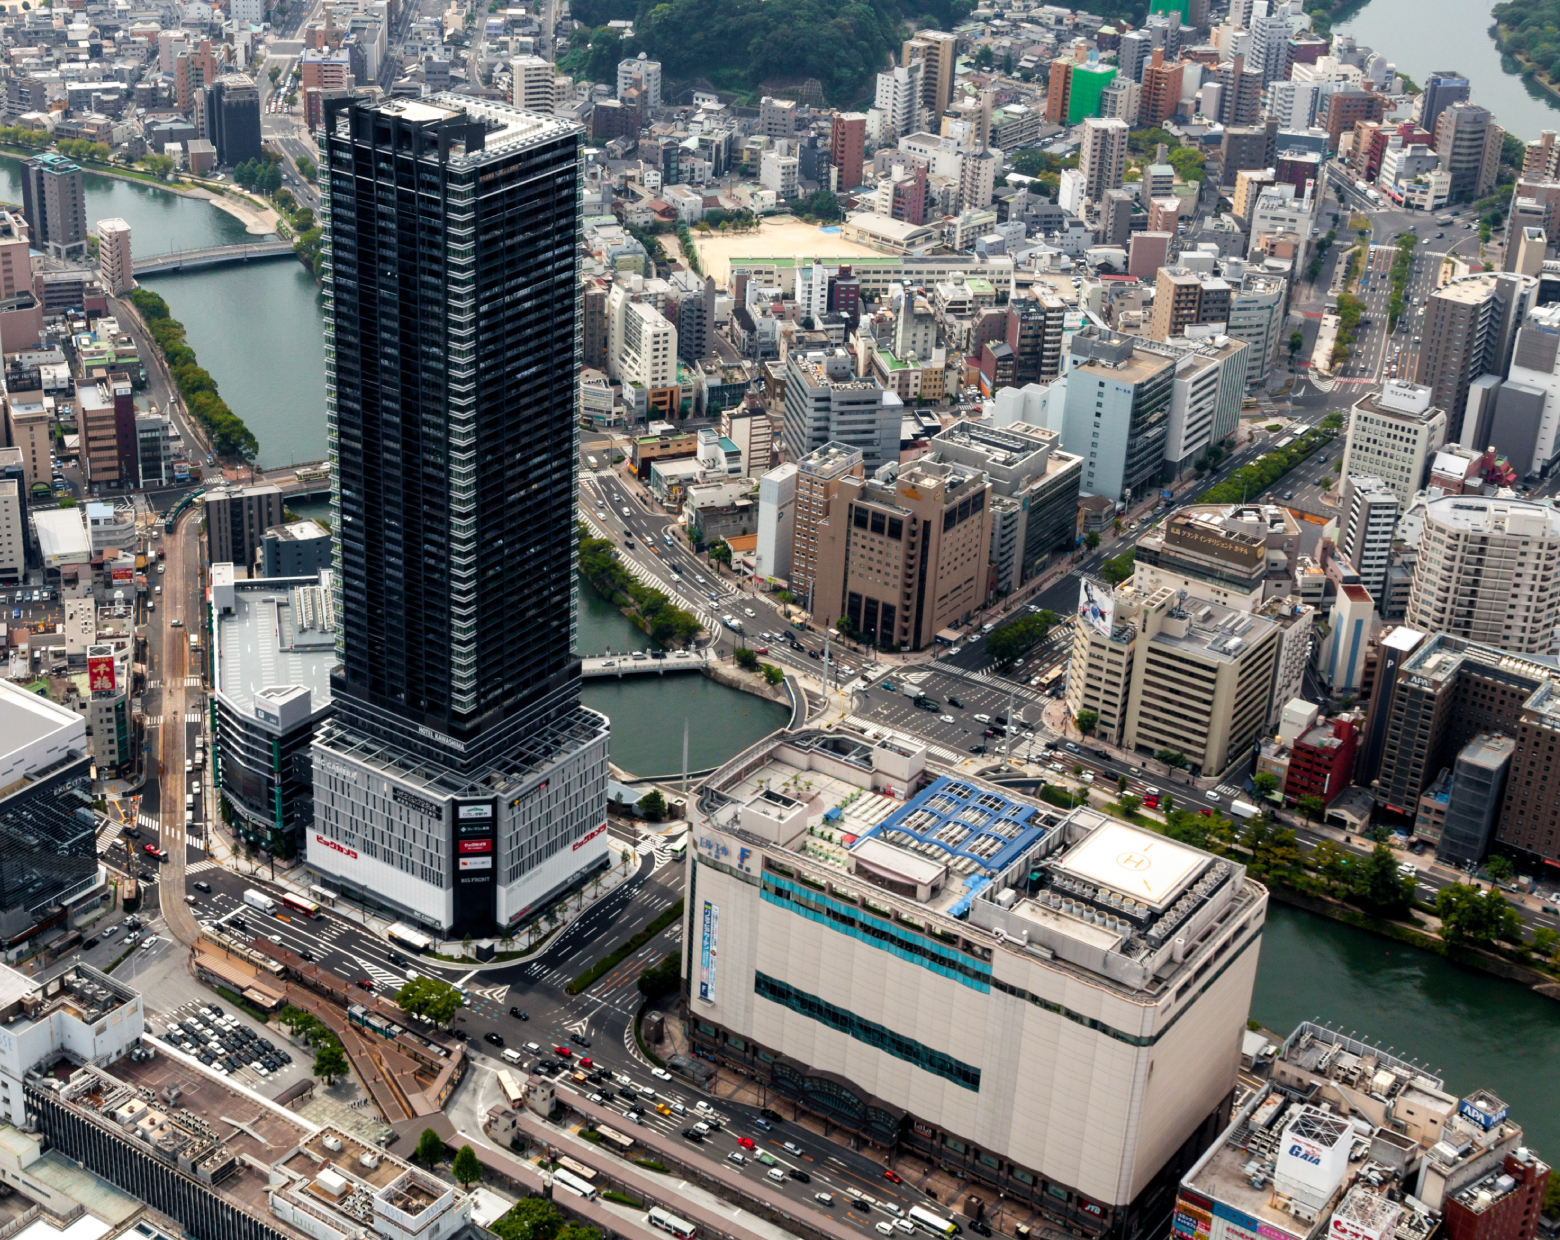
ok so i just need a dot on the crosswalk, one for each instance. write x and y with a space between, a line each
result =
109 834
1228 790
937 751
192 717
201 866
195 841
1019 691
192 682
153 721
147 821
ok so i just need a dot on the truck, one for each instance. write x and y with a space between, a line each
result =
1373 196
1243 809
259 900
732 623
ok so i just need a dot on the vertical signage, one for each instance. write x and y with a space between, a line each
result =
100 673
709 949
474 848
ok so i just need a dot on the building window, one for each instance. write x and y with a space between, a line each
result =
967 1076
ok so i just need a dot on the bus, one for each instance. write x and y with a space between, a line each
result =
666 1221
313 473
588 1174
298 904
514 1094
572 1182
927 1221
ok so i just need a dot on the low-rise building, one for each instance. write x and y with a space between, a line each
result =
1321 762
297 549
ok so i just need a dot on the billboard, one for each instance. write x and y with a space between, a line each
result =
709 949
476 846
122 574
476 863
1096 606
100 673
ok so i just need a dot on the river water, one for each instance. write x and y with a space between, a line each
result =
257 329
1420 36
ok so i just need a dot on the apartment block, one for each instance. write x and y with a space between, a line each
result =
1210 379
531 82
1393 435
29 425
115 266
904 560
938 53
818 476
1488 571
1102 156
1035 323
109 444
236 521
1368 513
847 146
1469 143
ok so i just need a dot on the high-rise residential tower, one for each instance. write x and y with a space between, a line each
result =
461 782
55 205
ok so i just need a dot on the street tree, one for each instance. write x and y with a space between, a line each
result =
466 1169
330 1062
430 997
1499 868
1265 782
430 1148
1086 720
1376 881
1473 915
1312 806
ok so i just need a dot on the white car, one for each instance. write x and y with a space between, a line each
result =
826 1199
981 718
1211 795
703 1107
791 1147
946 718
736 1157
886 1228
661 1074
905 1225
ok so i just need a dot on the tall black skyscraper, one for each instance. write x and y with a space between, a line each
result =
461 782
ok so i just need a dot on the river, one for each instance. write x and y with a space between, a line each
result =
1420 36
257 328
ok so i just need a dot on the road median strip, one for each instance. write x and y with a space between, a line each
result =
616 957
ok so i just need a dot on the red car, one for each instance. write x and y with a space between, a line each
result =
1206 813
152 850
892 1175
761 650
1151 802
587 1062
364 983
746 1143
564 1051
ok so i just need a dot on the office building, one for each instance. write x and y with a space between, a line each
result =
1240 556
1034 493
115 267
906 559
296 549
1477 789
848 146
50 868
1162 83
938 54
643 74
1210 379
1342 660
826 403
460 782
1258 316
1367 518
1535 369
1393 435
13 532
1247 146
1102 158
1468 141
1312 1154
941 1026
818 477
1183 297
55 205
1486 572
154 449
236 520
1469 330
1346 108
1117 411
776 523
233 118
274 645
1036 319
1443 88
109 445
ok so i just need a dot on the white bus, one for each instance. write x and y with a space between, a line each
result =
679 1227
572 1182
514 1094
927 1221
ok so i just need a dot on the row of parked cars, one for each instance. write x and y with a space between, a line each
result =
221 1042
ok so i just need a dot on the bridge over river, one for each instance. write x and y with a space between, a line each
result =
212 256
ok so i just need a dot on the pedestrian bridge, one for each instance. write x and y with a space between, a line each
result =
643 665
212 256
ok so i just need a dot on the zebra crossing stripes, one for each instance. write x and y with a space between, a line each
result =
153 721
381 976
192 717
198 866
109 834
195 841
192 682
943 755
147 821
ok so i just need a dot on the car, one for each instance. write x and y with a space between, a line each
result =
578 1040
746 1143
892 1177
364 983
797 1174
885 1227
824 1199
955 703
977 749
764 1124
189 899
1211 795
133 832
945 718
736 1156
396 958
563 1052
635 1116
981 718
275 938
661 1074
586 1062
979 1228
748 611
857 1203
518 1014
905 1225
791 1147
307 955
692 1134
493 1039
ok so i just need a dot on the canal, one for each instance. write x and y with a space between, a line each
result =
257 328
1420 36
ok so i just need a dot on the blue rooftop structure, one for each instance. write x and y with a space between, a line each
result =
975 831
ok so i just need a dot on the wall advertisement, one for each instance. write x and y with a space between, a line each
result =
1096 606
709 937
